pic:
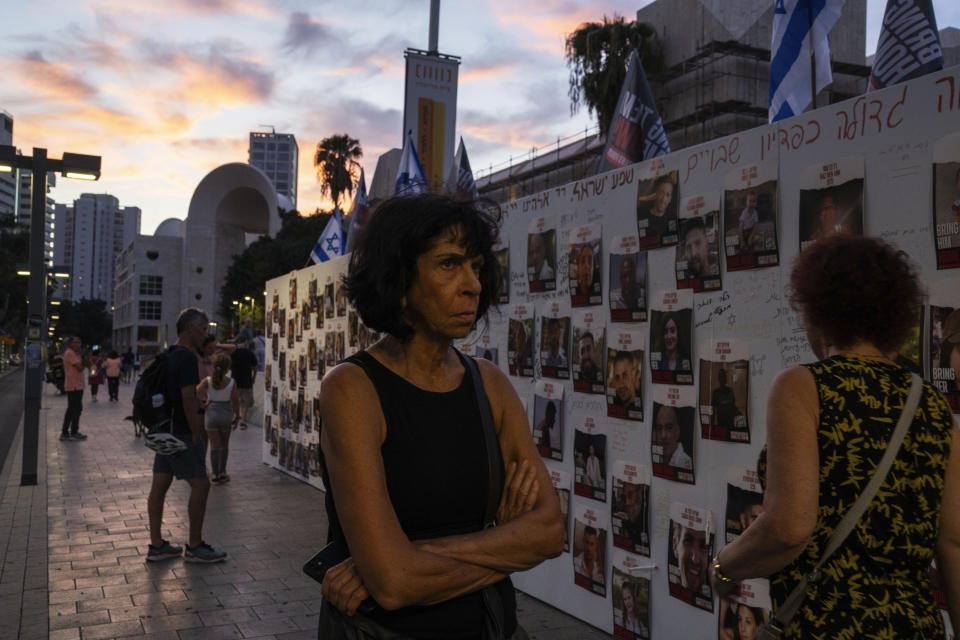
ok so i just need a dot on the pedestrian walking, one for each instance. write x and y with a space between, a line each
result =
112 368
73 382
221 414
190 464
243 369
96 377
128 358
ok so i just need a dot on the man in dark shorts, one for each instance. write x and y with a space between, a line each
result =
189 465
243 369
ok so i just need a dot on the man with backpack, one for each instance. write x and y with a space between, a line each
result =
190 463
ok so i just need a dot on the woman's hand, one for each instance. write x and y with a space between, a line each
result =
343 587
235 423
520 489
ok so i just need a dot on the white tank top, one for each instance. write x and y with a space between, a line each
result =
219 395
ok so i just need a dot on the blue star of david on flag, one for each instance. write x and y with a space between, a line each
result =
330 243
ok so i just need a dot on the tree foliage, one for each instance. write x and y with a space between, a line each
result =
267 258
88 319
337 160
597 55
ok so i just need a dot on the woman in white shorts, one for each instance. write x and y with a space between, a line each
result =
221 414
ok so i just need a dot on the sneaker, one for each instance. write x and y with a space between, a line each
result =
65 437
78 436
164 551
224 477
215 480
203 553
243 424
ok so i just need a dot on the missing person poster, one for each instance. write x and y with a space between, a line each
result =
631 507
742 616
750 217
520 346
501 251
589 346
548 419
328 308
590 461
561 485
657 208
946 202
671 337
542 255
698 253
555 342
724 390
689 549
589 548
624 374
831 200
671 434
630 583
744 501
628 280
945 345
585 284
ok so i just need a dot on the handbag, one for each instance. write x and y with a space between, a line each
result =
775 627
334 624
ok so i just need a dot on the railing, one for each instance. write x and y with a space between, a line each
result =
553 147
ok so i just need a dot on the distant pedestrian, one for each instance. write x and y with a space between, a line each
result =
136 366
73 383
221 414
246 333
260 349
190 464
243 369
127 364
112 368
96 377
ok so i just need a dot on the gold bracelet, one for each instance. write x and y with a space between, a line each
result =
717 571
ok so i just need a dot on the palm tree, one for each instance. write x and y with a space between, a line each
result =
336 160
597 54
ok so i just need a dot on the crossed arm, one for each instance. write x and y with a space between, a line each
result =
385 563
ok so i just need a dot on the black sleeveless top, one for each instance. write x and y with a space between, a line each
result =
436 472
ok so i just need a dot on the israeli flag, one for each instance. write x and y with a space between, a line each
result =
330 243
795 24
410 176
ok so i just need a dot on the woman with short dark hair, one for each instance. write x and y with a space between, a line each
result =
828 425
403 445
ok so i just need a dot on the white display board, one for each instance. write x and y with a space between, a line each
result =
866 164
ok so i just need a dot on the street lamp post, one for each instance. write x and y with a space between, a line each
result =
72 165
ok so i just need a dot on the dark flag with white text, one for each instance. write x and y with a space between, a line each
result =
461 183
636 132
909 44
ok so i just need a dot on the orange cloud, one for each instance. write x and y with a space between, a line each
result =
49 79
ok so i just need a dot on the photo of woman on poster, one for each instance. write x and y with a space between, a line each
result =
548 420
740 621
657 211
671 441
631 606
670 333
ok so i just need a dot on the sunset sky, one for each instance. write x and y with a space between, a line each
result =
167 91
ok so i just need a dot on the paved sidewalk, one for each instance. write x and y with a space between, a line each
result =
72 549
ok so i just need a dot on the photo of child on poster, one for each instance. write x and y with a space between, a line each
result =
671 336
742 616
689 549
945 353
831 203
946 202
501 251
561 485
589 548
750 217
584 266
624 375
542 255
744 501
697 261
628 278
631 507
724 376
631 603
554 344
671 434
588 351
657 211
520 345
590 462
548 419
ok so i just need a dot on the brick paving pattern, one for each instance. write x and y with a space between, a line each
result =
72 549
